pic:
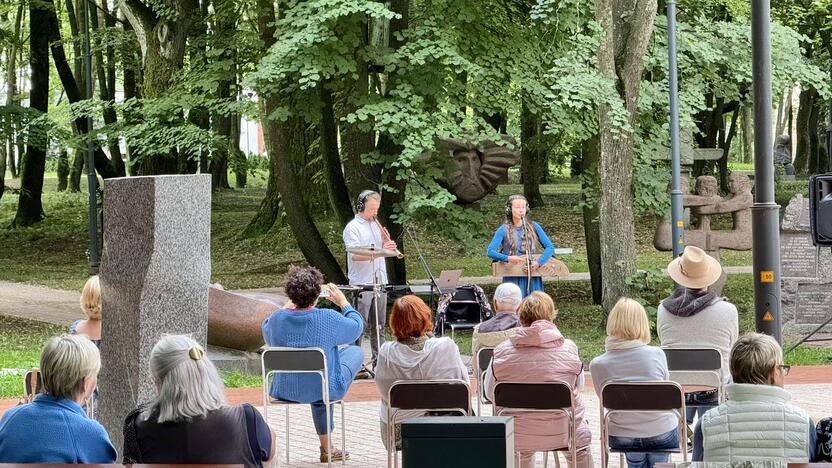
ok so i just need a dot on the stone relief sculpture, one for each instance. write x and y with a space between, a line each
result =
705 203
476 169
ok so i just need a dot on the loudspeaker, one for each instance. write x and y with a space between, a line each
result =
820 208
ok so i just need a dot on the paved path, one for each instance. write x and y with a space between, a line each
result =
61 307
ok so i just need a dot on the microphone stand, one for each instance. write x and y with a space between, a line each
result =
424 263
528 251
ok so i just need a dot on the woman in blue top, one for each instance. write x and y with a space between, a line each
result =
53 428
299 324
510 243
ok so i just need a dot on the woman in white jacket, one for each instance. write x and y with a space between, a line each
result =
415 355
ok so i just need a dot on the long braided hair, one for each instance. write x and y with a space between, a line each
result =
509 226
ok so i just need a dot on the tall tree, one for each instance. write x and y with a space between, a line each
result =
590 159
29 205
12 98
626 27
339 197
532 152
105 73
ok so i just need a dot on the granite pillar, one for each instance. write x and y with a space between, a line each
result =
155 271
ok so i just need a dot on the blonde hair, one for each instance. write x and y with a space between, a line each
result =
628 321
752 358
537 306
91 298
64 361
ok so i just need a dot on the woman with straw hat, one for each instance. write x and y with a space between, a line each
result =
693 317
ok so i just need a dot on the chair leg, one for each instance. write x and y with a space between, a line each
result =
546 459
391 446
621 461
343 435
328 435
557 459
287 434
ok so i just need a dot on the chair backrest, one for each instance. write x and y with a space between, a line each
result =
32 384
695 366
484 356
430 395
660 395
534 395
290 360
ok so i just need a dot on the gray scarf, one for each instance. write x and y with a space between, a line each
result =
685 302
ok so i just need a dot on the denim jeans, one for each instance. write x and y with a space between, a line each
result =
646 458
352 358
707 399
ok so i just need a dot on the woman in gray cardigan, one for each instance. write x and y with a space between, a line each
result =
693 317
629 358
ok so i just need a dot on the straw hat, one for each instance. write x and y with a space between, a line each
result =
694 269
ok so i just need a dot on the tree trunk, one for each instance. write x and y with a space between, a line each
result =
808 96
2 170
591 156
162 41
63 170
74 29
29 206
621 53
336 186
239 161
221 122
107 93
722 163
356 141
747 133
199 115
812 130
12 99
530 156
131 90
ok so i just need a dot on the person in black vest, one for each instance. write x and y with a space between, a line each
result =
189 421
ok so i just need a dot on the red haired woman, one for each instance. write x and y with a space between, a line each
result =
414 355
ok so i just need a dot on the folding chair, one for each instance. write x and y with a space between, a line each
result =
463 312
697 366
32 385
424 395
484 356
659 396
280 360
543 397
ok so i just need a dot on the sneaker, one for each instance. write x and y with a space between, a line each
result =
364 374
337 455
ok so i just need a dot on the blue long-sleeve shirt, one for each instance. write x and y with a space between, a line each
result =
313 328
496 244
53 430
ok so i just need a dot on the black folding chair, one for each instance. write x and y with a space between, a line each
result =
484 356
659 396
697 366
544 397
280 360
424 395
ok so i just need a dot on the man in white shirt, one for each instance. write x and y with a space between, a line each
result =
364 231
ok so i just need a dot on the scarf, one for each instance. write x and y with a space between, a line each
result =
685 302
416 343
612 343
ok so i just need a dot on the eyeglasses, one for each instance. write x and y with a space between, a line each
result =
785 369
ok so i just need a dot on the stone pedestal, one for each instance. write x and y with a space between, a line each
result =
155 271
806 272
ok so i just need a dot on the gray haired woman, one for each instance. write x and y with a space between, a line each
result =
189 421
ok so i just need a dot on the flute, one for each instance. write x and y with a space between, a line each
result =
385 236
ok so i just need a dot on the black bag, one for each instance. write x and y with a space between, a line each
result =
824 447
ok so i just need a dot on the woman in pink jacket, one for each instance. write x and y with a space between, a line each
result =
540 353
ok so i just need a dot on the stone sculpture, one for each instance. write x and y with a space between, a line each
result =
235 320
476 169
783 154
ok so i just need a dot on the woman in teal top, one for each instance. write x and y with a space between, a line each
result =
510 244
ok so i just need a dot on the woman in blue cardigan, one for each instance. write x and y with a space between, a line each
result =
299 324
53 428
514 238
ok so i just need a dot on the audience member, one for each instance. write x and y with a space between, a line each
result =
414 355
692 317
54 428
502 325
538 352
757 422
91 305
300 324
629 358
189 421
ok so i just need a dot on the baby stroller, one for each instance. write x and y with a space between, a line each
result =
463 308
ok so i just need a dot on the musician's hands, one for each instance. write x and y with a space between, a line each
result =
391 245
516 259
336 296
535 266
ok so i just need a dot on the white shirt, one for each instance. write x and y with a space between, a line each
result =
362 233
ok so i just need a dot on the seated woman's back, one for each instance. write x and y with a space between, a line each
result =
418 359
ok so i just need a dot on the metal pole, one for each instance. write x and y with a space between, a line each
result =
676 222
92 180
765 212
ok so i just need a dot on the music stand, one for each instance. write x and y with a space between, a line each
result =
374 253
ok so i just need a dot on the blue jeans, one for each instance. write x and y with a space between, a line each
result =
352 358
646 458
699 402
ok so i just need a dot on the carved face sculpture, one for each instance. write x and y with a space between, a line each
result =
706 186
740 183
469 163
